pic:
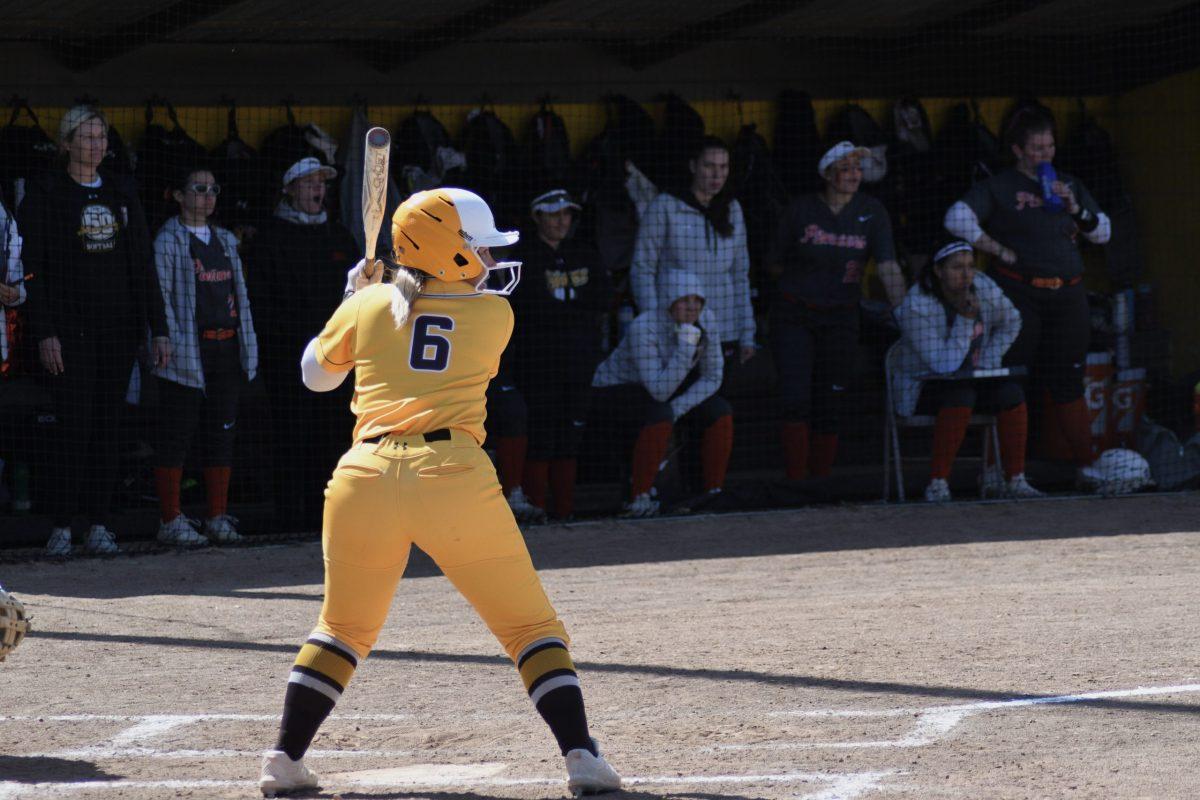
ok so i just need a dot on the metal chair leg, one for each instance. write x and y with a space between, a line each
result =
887 460
898 463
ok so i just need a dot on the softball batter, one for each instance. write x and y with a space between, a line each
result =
423 350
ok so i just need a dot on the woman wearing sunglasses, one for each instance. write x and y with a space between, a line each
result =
216 351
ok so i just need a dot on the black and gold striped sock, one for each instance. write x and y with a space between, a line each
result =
553 686
323 668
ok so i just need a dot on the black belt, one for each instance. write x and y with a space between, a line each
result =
440 435
1036 282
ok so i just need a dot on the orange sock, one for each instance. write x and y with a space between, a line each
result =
1013 427
510 461
166 485
821 454
648 452
795 450
714 452
948 433
1076 427
216 485
534 484
562 482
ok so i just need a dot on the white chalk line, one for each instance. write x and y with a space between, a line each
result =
934 723
842 786
139 718
988 705
106 752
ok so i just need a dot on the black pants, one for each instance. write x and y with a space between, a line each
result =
89 400
814 351
626 408
557 416
1053 342
507 412
985 396
208 416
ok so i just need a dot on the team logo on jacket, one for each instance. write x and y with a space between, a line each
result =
98 228
563 284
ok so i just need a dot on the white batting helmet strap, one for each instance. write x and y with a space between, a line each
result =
14 623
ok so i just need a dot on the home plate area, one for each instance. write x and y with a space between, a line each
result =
1008 652
152 747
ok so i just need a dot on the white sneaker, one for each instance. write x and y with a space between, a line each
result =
938 491
222 529
991 483
281 775
180 532
101 541
59 543
590 774
1019 488
642 506
524 510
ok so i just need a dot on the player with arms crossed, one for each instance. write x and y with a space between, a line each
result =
423 350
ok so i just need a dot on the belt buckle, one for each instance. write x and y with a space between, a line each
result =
1047 283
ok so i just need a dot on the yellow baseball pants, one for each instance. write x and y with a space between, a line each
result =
443 497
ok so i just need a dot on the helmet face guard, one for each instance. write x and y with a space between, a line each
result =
507 271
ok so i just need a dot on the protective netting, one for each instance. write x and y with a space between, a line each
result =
773 253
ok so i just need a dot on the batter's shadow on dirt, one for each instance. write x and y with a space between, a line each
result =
37 769
622 795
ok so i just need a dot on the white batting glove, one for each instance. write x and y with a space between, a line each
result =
357 279
688 334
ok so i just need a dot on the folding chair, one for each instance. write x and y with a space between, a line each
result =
893 422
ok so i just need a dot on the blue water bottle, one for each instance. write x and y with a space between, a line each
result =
1048 176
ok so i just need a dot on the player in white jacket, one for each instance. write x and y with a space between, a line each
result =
955 322
665 371
12 279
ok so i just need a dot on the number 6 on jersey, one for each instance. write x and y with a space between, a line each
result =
430 352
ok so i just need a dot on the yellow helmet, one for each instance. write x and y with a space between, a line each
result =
440 231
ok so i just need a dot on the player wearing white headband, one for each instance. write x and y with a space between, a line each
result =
956 321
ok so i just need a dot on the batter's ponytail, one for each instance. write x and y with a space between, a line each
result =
406 286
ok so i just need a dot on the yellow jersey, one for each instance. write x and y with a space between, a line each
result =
433 372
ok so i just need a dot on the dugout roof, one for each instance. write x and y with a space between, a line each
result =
1082 46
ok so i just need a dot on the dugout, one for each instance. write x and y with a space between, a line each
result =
1133 67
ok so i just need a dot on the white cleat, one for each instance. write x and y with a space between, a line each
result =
523 509
590 774
101 541
938 491
59 544
1019 488
222 529
180 532
641 506
280 775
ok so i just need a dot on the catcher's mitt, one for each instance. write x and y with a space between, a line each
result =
14 624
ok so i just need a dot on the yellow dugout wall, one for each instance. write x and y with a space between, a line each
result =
1157 131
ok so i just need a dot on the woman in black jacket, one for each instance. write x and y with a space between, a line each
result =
92 295
295 272
563 292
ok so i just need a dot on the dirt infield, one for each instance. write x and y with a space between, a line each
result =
1039 650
